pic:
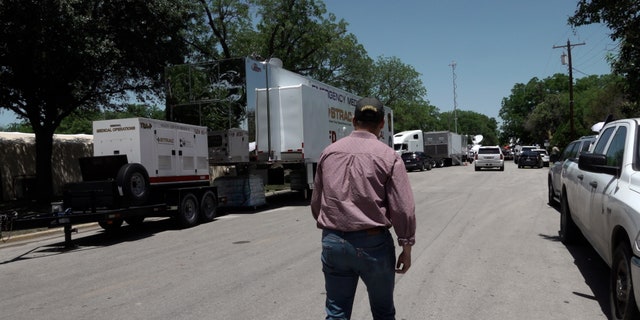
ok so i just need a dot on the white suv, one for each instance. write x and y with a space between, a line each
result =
489 157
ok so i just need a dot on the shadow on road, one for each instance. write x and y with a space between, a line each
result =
97 240
273 201
593 269
595 273
149 228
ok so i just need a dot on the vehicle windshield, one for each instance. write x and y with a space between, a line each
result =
400 146
488 150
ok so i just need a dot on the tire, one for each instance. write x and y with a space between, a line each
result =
134 221
623 303
133 184
551 194
188 211
477 169
208 206
110 225
569 232
502 168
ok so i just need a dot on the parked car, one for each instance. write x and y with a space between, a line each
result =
520 150
508 154
557 163
545 156
489 157
530 159
416 160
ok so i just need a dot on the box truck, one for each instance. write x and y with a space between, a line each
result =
446 148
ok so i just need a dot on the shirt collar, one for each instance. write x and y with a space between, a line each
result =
363 134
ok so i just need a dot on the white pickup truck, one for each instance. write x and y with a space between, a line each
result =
600 200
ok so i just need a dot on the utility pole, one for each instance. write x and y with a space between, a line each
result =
568 46
455 103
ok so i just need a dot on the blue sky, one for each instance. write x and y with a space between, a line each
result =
495 44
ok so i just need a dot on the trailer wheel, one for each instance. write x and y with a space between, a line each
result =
133 183
134 221
188 211
208 206
110 225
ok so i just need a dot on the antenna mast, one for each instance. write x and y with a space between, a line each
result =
455 96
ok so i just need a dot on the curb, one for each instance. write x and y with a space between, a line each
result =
10 239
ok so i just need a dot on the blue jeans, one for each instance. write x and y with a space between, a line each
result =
349 256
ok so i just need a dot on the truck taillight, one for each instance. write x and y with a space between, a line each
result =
475 156
501 157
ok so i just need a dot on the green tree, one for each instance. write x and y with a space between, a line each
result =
301 33
313 42
396 82
471 123
623 18
539 111
58 57
224 30
419 115
516 108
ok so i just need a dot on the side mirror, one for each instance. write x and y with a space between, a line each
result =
596 163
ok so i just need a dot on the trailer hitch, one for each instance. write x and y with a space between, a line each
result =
68 229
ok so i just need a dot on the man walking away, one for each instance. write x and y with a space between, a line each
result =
361 189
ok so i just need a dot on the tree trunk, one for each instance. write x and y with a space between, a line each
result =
44 153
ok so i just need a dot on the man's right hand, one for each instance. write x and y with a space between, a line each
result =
404 260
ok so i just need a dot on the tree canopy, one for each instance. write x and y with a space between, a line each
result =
622 17
538 112
60 57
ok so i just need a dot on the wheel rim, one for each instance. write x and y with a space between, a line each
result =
138 185
189 210
622 287
209 206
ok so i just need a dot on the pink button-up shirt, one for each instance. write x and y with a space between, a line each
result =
360 184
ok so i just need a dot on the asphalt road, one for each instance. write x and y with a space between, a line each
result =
487 248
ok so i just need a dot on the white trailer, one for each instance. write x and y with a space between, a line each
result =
290 119
294 124
295 118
